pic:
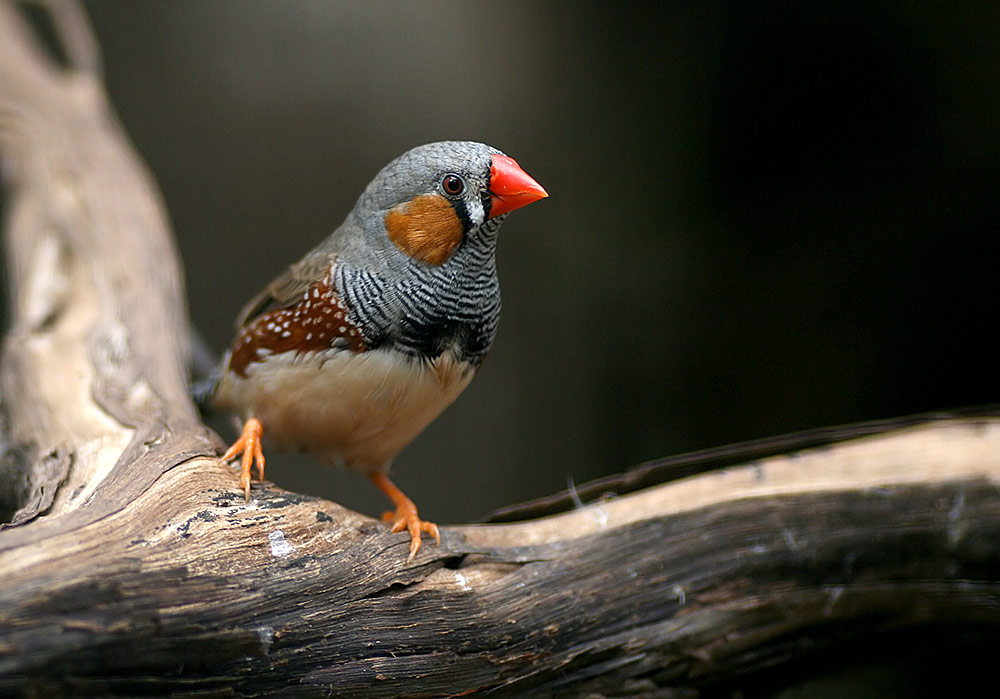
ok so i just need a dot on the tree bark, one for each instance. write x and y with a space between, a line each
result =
130 563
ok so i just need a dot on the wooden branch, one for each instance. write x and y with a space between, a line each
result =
133 566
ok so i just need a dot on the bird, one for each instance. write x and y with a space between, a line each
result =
351 352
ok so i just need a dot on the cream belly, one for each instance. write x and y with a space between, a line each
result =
358 410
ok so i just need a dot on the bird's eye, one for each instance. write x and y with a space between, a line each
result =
452 184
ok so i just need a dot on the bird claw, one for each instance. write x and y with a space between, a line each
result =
249 445
405 517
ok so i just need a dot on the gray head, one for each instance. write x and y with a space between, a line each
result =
417 252
428 201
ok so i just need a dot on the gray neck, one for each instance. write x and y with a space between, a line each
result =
425 310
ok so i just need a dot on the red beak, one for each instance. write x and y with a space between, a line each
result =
511 187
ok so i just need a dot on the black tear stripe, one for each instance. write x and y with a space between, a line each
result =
462 212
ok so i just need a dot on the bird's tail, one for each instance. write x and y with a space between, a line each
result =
205 371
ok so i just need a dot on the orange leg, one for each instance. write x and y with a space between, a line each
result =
249 445
405 516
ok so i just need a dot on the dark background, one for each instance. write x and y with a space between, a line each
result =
764 217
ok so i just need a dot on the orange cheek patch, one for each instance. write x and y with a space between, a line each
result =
426 229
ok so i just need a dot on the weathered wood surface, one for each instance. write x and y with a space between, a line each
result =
136 568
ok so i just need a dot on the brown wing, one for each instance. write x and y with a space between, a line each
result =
288 288
315 322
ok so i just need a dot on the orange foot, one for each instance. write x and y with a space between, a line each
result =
405 516
249 445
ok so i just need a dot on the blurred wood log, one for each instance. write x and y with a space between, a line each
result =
130 564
